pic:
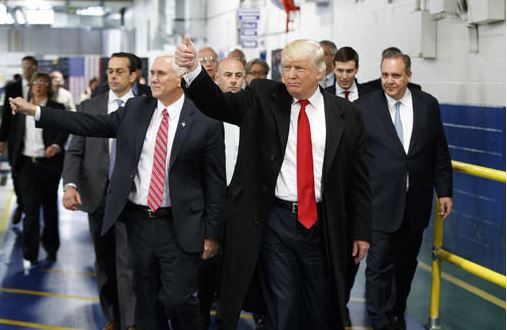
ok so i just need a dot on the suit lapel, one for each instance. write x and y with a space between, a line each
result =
281 107
334 131
183 126
417 118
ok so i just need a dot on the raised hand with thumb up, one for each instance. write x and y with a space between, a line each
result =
185 54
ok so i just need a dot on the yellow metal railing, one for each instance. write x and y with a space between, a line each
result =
439 254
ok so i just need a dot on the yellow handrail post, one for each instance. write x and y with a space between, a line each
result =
436 264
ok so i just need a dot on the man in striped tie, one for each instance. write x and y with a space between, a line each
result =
167 185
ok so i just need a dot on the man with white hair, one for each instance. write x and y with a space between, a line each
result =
299 192
167 185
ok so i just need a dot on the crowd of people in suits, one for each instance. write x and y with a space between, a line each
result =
218 186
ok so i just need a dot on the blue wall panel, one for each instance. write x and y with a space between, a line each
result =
476 228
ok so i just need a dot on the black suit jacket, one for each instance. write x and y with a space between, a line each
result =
428 162
13 90
196 167
262 112
87 159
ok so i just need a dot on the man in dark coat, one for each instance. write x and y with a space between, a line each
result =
289 214
408 159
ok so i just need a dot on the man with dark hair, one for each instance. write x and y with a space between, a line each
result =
408 159
256 69
346 66
376 84
135 65
16 88
86 174
329 48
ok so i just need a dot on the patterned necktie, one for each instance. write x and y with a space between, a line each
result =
112 150
346 93
397 121
307 207
158 173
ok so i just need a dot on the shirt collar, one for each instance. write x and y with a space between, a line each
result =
404 99
352 89
112 97
174 109
314 99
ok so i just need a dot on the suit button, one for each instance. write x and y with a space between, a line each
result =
132 176
257 221
272 157
264 188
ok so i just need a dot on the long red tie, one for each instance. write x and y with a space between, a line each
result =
307 207
156 191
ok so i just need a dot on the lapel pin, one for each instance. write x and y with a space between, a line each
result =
183 124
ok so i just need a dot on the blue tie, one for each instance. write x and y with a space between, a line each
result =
397 121
112 155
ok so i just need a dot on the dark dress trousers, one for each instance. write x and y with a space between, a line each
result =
165 250
400 216
38 180
87 166
13 90
262 112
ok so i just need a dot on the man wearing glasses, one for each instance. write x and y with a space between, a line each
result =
256 69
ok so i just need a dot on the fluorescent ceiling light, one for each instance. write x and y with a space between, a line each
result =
3 13
91 11
10 19
20 17
40 16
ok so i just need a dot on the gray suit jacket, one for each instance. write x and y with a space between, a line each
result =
87 159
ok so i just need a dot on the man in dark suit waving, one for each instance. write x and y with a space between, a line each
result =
408 158
167 185
298 191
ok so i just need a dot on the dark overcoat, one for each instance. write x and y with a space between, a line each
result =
262 112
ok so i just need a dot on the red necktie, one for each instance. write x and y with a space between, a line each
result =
346 93
156 191
307 207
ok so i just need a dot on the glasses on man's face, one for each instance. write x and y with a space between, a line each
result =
40 83
207 60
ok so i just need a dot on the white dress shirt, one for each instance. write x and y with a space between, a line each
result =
231 139
406 115
286 183
33 140
353 92
142 178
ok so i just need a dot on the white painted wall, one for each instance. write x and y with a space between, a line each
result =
455 76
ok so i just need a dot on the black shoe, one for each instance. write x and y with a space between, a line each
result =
51 257
16 217
398 323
